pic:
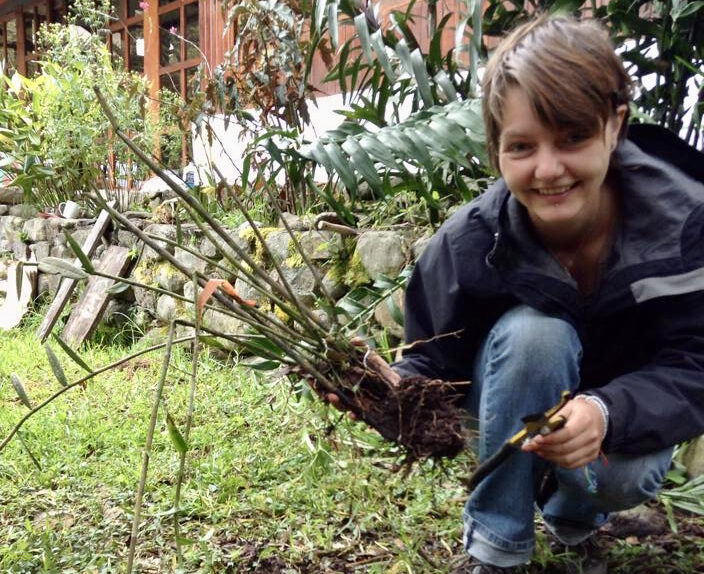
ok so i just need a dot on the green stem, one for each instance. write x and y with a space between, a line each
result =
313 322
148 447
187 198
297 244
81 381
189 420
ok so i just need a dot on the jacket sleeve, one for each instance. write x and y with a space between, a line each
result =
442 324
662 403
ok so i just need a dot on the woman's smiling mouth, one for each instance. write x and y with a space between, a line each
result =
554 190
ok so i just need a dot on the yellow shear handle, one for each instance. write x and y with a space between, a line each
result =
546 424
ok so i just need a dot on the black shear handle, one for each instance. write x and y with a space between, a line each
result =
488 466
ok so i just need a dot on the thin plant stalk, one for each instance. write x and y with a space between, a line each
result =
148 447
82 381
311 319
254 278
189 419
283 289
299 248
243 313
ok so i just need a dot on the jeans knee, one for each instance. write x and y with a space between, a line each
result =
635 485
535 341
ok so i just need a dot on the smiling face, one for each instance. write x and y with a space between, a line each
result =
558 176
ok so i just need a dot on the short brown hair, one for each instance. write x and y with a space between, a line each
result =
567 68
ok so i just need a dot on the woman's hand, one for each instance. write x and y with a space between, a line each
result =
371 361
575 444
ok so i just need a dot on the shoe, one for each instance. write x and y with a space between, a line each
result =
472 566
589 558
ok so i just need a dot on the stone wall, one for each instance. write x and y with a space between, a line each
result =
343 261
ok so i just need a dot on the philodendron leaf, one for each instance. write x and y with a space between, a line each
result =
71 353
56 266
55 366
19 388
175 434
82 257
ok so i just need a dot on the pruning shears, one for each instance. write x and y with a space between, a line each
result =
535 424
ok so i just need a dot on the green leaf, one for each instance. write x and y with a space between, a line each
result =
319 15
333 24
55 365
395 311
246 165
565 6
56 266
82 257
404 56
360 22
19 388
688 9
362 163
264 365
676 476
118 287
175 435
19 278
72 354
266 346
317 153
443 80
421 75
380 49
379 152
341 166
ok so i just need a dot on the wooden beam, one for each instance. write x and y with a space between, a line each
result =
67 286
89 310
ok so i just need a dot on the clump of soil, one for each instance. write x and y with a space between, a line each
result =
418 413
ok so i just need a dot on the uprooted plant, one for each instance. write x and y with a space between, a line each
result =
417 413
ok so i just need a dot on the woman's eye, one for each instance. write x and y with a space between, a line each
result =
516 147
575 139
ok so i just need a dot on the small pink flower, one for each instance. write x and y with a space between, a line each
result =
144 5
173 30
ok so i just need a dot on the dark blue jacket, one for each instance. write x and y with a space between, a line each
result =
642 331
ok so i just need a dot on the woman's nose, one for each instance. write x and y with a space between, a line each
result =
548 165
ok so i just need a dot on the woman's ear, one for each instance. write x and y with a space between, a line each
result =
614 125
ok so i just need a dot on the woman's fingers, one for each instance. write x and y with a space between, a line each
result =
575 444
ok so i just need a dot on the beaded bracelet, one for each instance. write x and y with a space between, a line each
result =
602 409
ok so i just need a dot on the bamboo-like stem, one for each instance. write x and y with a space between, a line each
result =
256 277
189 420
81 381
29 452
148 447
255 280
312 320
243 313
283 291
187 198
299 248
200 256
228 312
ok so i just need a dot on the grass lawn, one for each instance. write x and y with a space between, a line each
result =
275 483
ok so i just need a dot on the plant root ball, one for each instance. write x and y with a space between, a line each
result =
420 414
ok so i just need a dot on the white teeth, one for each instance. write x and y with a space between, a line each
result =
553 190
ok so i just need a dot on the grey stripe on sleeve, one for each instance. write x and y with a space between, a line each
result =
654 287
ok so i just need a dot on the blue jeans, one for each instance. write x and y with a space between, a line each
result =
523 365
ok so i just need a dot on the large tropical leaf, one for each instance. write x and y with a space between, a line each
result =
423 144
